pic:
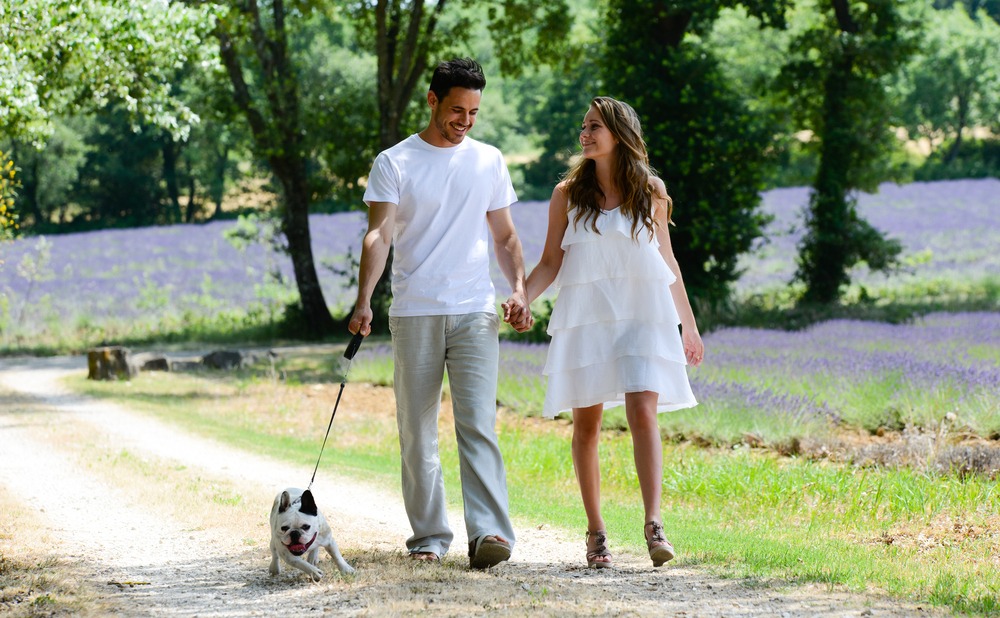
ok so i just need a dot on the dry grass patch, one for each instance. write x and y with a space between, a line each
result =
34 583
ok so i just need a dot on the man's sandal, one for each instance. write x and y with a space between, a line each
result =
660 549
598 556
424 556
488 550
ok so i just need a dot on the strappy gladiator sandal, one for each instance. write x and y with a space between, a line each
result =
597 547
660 549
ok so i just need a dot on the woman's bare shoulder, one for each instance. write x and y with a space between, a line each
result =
658 186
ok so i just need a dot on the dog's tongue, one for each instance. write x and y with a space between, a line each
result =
297 549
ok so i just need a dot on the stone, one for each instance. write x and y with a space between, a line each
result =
110 363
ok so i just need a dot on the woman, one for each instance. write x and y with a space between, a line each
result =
614 324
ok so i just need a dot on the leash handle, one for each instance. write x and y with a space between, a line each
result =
352 349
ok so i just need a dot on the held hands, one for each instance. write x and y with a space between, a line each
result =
694 349
517 313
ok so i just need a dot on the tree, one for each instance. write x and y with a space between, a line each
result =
85 55
82 55
836 80
49 175
254 48
119 182
953 82
705 141
405 34
340 108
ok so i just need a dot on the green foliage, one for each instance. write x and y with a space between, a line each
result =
338 107
952 83
84 54
527 33
121 178
559 103
50 174
703 139
751 59
8 186
973 159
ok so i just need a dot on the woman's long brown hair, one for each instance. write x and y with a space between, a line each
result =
630 172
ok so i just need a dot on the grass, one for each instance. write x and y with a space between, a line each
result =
34 583
741 512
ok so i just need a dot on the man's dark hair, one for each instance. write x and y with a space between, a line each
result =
461 73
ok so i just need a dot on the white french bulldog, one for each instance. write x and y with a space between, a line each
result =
298 531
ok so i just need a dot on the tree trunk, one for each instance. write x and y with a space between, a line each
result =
217 190
956 146
824 252
169 151
291 172
277 134
402 51
192 204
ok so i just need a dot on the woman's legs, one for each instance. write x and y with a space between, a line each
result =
640 411
586 436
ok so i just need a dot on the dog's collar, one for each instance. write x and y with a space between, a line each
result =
309 544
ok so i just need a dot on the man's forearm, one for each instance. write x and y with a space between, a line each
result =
511 261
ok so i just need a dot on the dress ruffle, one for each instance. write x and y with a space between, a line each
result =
596 343
608 222
614 326
607 382
612 300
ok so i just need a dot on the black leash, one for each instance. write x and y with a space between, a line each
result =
352 349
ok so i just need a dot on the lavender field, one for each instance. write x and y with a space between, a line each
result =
949 231
109 283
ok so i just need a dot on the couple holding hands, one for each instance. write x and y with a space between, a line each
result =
438 196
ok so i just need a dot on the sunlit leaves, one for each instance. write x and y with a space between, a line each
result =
954 80
58 57
8 183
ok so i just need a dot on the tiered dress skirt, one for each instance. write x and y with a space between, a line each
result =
614 326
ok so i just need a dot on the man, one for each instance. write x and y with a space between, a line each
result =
434 195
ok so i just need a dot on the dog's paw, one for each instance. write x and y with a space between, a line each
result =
317 575
346 569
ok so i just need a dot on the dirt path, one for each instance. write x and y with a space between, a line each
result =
185 562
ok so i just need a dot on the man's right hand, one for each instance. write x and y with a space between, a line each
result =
361 320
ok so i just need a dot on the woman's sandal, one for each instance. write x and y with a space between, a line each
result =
598 556
660 549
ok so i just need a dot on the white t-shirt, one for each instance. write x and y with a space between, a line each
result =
442 259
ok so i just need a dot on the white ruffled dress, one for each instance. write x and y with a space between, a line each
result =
614 326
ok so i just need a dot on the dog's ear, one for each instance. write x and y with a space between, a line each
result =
285 502
308 504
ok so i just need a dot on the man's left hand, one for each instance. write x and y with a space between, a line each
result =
517 313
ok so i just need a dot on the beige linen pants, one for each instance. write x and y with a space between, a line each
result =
467 345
